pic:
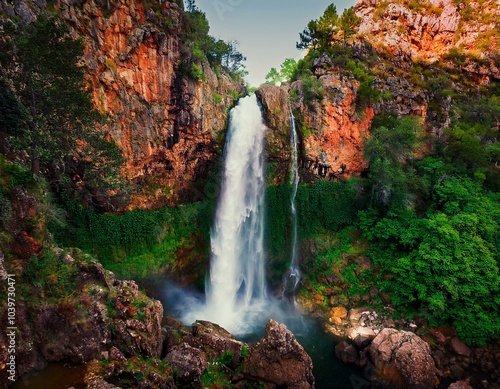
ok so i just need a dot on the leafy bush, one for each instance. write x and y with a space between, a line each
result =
49 277
136 243
312 89
197 72
443 266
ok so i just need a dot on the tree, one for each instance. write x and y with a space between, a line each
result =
443 264
286 72
347 23
319 33
44 72
288 68
199 46
273 77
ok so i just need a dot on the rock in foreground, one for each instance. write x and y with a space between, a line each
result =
401 360
279 360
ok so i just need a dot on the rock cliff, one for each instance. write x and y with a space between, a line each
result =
428 30
401 360
406 58
169 125
105 313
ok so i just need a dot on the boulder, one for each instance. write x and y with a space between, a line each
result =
189 362
214 340
401 360
460 385
279 360
346 352
361 336
460 348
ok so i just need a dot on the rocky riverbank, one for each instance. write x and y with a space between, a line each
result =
400 353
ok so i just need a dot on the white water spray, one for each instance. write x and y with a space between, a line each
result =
236 287
294 272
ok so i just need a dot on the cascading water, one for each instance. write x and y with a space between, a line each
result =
293 275
236 287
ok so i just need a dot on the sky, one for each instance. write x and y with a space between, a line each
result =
266 30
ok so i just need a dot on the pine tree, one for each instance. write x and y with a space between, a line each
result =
43 70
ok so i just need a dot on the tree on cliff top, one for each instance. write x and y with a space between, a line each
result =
348 23
319 33
199 46
287 69
323 33
43 69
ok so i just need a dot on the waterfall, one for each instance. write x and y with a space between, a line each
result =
236 288
293 275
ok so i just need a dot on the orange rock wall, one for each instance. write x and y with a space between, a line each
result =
166 125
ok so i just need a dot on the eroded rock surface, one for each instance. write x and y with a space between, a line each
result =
401 360
279 360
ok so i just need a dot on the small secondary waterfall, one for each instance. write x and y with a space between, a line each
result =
293 275
236 287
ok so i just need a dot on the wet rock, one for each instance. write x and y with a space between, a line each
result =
460 385
401 360
460 348
346 352
279 360
189 362
361 336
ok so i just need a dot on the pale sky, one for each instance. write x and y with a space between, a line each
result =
266 30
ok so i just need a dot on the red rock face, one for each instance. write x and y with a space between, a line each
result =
429 29
333 130
166 125
339 134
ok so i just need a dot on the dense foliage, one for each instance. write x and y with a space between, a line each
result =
136 243
434 223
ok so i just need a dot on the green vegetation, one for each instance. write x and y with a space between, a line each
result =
46 111
329 29
138 243
48 278
319 33
443 264
434 221
198 47
285 74
322 206
427 216
215 376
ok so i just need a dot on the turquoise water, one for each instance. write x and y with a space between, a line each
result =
329 372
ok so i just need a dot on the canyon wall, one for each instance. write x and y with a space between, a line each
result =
169 126
413 53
